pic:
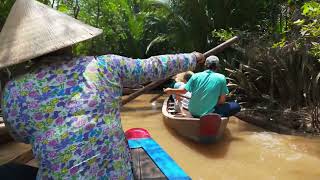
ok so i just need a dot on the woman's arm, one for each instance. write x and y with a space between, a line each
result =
139 71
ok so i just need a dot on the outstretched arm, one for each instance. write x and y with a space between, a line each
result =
175 91
138 71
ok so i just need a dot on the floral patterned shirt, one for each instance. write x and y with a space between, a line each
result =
70 112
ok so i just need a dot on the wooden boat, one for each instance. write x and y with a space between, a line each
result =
150 161
207 129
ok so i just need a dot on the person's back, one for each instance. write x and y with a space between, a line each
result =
209 91
206 88
69 112
64 105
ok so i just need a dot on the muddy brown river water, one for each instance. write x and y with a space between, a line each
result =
246 152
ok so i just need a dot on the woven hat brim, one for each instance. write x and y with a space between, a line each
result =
33 29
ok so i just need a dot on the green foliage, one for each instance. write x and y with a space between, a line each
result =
299 22
315 49
147 27
223 34
122 27
309 27
286 75
5 6
290 79
277 60
63 8
280 44
311 9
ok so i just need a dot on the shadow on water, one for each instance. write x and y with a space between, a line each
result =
145 111
135 109
215 150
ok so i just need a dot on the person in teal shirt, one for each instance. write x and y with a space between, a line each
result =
209 91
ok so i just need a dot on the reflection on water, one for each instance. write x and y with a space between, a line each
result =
246 152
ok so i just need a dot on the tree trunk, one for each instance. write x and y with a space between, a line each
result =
76 9
97 25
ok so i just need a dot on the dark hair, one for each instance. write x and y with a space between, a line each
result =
212 67
187 76
63 54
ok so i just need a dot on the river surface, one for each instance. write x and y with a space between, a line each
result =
246 152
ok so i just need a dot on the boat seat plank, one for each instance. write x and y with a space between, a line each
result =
15 152
144 167
165 163
33 163
4 134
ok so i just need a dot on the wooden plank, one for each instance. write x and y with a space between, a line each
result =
144 167
5 137
33 163
15 152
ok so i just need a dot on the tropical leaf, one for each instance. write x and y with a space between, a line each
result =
157 40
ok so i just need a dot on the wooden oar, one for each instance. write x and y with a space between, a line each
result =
155 84
156 97
221 47
143 90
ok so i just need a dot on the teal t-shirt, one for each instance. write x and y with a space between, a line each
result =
206 88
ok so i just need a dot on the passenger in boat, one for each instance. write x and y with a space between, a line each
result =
183 101
68 109
209 91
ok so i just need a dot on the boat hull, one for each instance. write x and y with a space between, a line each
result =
207 129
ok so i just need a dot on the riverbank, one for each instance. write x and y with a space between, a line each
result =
280 121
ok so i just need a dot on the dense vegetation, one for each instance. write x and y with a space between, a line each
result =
276 66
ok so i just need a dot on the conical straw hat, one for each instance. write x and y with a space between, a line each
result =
33 29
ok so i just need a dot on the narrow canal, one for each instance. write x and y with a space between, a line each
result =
245 153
